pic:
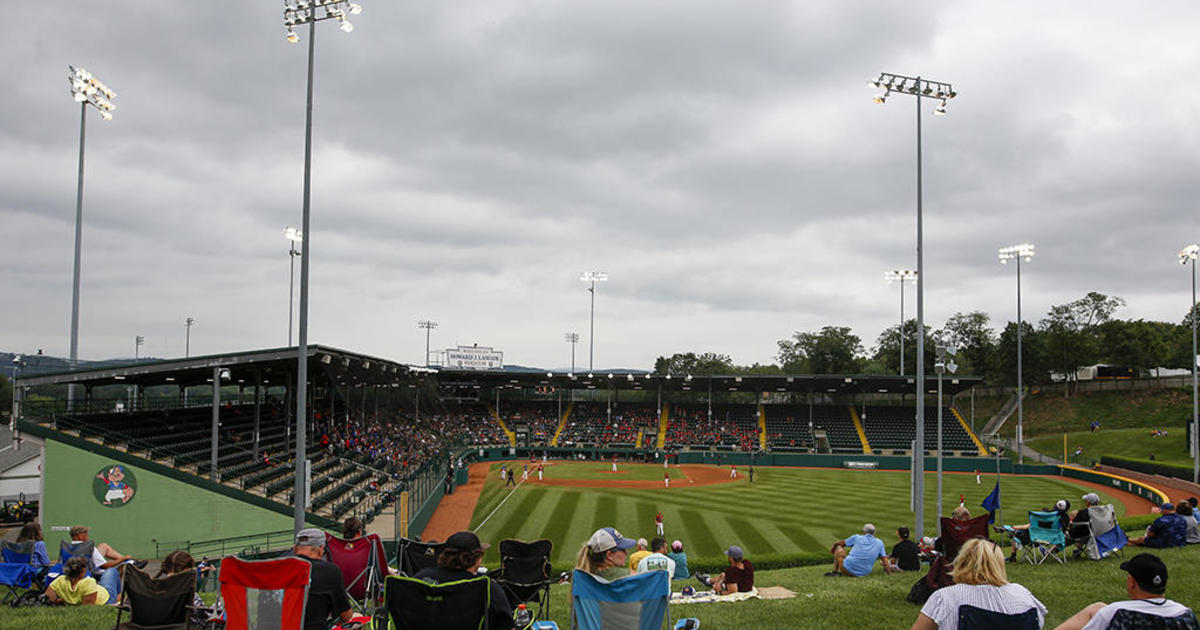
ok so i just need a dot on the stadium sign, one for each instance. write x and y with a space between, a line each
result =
474 358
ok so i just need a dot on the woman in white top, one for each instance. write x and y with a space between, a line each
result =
979 581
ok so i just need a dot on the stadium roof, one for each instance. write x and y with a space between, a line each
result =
355 369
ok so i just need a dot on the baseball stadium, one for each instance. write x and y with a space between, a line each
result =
200 454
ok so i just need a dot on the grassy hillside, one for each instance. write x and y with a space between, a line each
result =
1048 413
1135 443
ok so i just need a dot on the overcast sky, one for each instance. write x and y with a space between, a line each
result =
722 161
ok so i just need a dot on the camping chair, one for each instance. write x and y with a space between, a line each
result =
1107 536
1133 620
84 549
525 573
972 618
638 601
22 553
264 594
16 577
361 562
416 604
1046 538
955 534
414 555
158 603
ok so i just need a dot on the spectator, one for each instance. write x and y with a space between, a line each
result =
460 558
981 581
604 555
737 578
352 528
1168 530
105 561
74 587
326 587
864 549
32 532
657 560
906 555
642 551
1146 584
180 561
1185 510
680 558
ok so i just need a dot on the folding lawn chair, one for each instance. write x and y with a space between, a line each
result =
83 549
362 565
972 618
414 604
159 603
955 534
525 573
635 602
1134 620
1107 536
1046 538
15 577
264 594
414 555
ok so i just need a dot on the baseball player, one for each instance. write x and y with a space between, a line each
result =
541 468
658 523
733 471
666 480
614 463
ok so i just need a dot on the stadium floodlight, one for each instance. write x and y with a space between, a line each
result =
901 276
86 90
941 91
187 339
1025 252
572 338
293 236
592 277
941 367
307 12
428 325
1186 255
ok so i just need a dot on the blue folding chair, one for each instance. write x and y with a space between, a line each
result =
1107 536
15 577
1047 537
637 602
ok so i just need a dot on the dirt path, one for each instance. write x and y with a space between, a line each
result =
1177 489
453 513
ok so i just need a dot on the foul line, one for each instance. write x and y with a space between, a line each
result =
489 516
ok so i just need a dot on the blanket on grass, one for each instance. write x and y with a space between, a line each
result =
708 597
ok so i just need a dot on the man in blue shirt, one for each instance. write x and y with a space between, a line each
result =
864 548
1168 530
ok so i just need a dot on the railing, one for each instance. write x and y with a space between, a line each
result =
221 547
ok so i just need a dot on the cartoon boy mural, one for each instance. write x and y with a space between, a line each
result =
117 489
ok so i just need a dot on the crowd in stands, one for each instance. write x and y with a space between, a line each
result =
402 444
694 427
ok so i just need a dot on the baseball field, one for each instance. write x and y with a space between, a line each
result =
786 514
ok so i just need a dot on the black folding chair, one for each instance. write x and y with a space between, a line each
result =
525 573
1133 620
414 555
415 604
972 618
159 603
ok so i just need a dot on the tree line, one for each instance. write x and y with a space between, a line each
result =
1070 336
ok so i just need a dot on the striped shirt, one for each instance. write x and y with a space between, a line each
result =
1010 599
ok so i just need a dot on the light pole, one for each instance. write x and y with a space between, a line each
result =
901 276
593 277
293 236
187 337
428 325
308 12
920 88
1019 252
86 90
18 362
138 341
1189 253
941 366
572 338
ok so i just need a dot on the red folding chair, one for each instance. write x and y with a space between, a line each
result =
955 534
264 594
362 564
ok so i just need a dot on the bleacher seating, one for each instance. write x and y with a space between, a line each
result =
892 428
591 424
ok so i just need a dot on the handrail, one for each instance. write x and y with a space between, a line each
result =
200 547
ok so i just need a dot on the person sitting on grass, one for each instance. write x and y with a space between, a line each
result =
657 560
106 562
1189 516
1168 530
605 554
680 558
906 555
980 581
1146 584
737 578
860 559
74 587
643 550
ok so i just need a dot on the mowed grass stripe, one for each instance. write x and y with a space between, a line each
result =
750 539
698 539
561 516
801 538
513 520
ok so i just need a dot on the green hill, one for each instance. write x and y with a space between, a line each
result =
1047 412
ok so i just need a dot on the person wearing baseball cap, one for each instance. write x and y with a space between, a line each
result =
605 554
737 578
327 597
1146 584
1168 530
461 555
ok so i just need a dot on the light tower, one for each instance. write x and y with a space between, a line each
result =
592 277
1024 251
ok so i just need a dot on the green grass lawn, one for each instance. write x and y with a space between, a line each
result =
785 512
1047 412
875 601
603 470
1136 443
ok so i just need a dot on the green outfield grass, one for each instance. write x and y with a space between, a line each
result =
786 512
1047 412
602 470
1135 443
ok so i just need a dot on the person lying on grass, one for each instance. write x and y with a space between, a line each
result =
980 580
860 559
74 587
